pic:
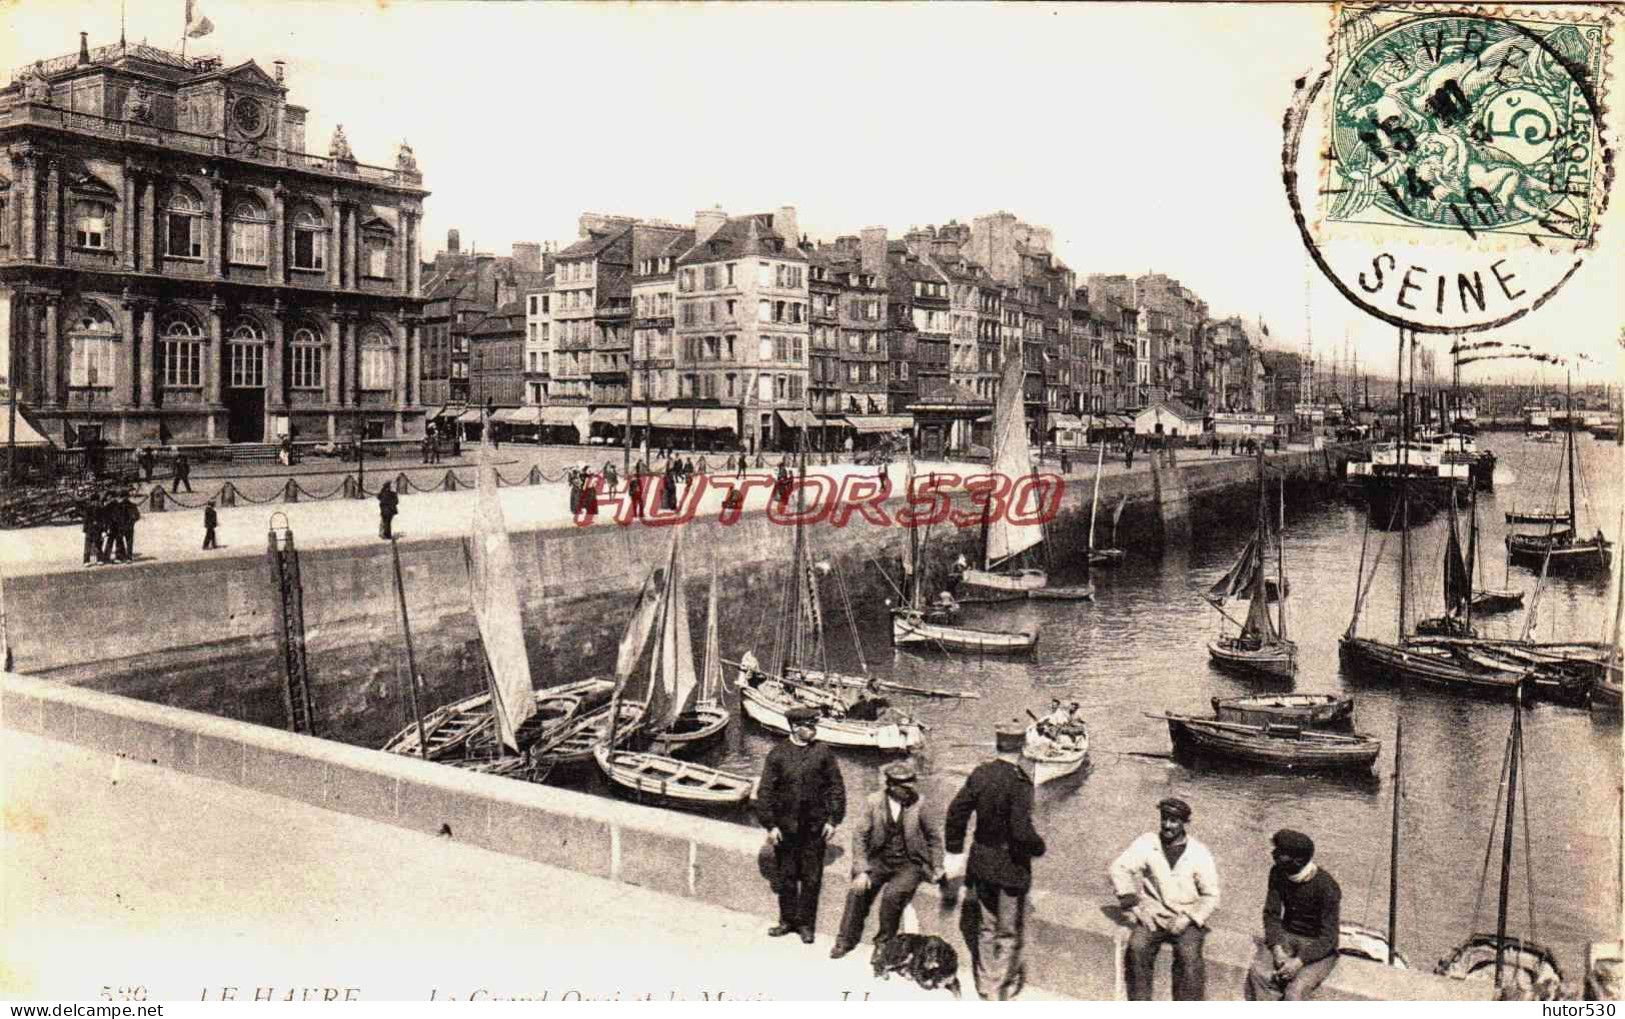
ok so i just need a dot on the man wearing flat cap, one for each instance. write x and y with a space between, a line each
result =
1302 911
1167 883
803 801
894 849
998 873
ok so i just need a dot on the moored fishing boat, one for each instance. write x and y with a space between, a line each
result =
702 721
671 781
1054 757
1289 747
1310 710
767 701
1517 516
467 725
1262 645
910 629
1488 601
1562 550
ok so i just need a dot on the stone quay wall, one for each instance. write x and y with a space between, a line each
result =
1073 947
200 633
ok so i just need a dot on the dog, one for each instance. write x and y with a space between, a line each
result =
924 958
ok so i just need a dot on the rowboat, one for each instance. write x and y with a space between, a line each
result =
1515 516
466 726
1491 600
1311 710
980 587
852 682
1362 942
575 742
1279 658
1063 592
1531 969
1054 758
1281 746
768 699
673 781
694 728
909 629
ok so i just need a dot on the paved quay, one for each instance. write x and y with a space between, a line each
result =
126 874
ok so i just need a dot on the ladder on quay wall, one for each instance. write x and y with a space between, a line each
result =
290 628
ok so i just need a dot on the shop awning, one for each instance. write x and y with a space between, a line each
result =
798 418
450 410
609 416
1065 421
563 417
882 423
518 415
27 434
712 419
469 417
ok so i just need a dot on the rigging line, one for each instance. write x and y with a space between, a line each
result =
851 617
1495 819
1528 850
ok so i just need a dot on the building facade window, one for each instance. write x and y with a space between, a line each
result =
250 234
184 219
309 240
182 351
92 348
378 360
90 223
247 350
308 361
380 250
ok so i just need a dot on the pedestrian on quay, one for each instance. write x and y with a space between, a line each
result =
998 870
144 460
895 849
388 505
803 801
589 493
634 491
127 513
1168 884
90 516
781 486
211 520
611 479
1066 462
1302 914
668 488
183 474
112 527
428 448
1213 443
1128 454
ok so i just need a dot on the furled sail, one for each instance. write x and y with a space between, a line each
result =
1011 460
1239 580
494 591
1458 583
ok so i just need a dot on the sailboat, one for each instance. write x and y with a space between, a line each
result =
1563 551
705 718
1112 555
798 676
914 627
1486 600
1261 646
1457 620
671 682
511 715
1605 694
1005 543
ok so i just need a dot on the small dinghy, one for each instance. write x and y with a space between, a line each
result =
1487 601
466 727
673 782
575 743
1057 757
1361 942
1310 710
910 629
1063 592
1529 970
1279 746
768 699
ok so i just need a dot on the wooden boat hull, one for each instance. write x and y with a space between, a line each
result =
1550 519
1274 746
1605 693
465 726
1426 496
1279 659
1050 760
1528 968
1310 710
908 630
767 702
1427 664
1361 942
1583 557
672 782
693 729
1490 601
1063 592
1289 748
575 744
983 587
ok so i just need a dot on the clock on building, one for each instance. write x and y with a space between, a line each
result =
249 116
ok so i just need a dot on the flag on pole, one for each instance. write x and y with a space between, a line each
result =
197 25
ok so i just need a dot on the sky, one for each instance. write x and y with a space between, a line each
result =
1146 137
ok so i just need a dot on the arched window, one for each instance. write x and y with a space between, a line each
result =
250 234
92 347
309 239
309 358
90 223
378 359
247 349
185 220
181 347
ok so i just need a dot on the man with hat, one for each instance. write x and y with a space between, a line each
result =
998 873
893 851
1167 882
803 801
1302 912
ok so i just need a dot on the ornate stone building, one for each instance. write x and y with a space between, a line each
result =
178 269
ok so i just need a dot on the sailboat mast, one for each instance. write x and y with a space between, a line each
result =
1404 473
1472 545
1568 427
1094 505
1393 840
411 656
1280 556
1515 753
913 578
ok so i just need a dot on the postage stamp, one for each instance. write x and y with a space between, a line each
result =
1460 158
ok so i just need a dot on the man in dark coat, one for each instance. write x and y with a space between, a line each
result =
1302 914
90 513
634 491
998 873
388 505
112 527
144 459
128 513
183 474
211 520
803 801
894 849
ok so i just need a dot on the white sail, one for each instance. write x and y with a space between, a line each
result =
672 679
638 629
494 591
1011 460
711 674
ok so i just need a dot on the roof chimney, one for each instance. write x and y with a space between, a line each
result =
84 47
454 241
708 222
279 70
784 224
872 249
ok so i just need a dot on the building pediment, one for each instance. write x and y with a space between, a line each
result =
247 73
83 182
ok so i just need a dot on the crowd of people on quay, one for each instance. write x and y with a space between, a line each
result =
1166 881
